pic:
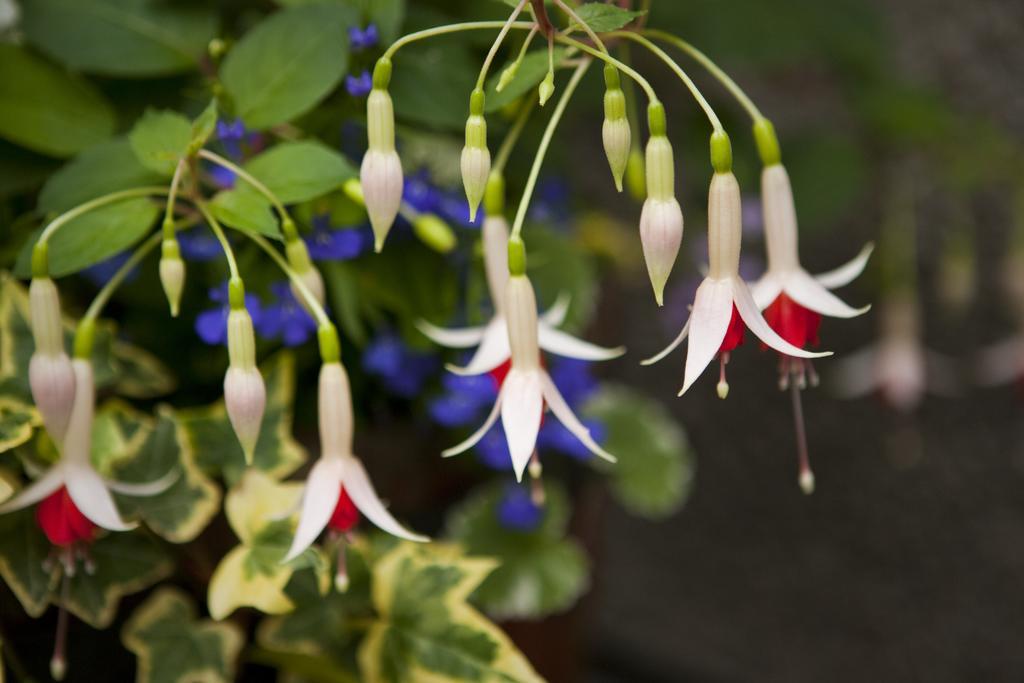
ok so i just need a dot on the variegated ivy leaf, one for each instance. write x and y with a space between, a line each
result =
426 629
654 473
180 513
541 573
215 445
17 420
252 574
129 370
173 646
124 563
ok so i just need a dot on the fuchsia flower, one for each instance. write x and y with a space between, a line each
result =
492 339
723 305
338 480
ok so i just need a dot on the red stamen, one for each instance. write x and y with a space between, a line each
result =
62 522
345 515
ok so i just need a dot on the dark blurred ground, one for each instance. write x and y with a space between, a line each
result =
907 563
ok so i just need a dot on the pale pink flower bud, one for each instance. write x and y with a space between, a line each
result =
521 308
245 395
172 275
476 163
381 172
725 215
335 405
661 220
50 374
615 131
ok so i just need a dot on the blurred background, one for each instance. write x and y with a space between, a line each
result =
900 123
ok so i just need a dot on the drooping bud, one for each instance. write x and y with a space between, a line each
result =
381 172
615 131
245 395
298 259
476 158
636 178
780 222
546 89
172 274
335 408
521 308
507 75
724 226
661 220
494 236
50 374
434 232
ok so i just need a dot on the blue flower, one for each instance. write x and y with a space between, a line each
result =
465 398
421 194
492 449
100 273
516 510
363 39
402 370
551 202
573 379
286 318
231 134
223 178
359 86
212 324
329 244
199 244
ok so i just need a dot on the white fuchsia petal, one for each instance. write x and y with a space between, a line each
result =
671 347
521 409
845 274
461 338
91 496
766 290
562 344
709 320
494 350
569 420
362 493
323 488
812 295
756 323
475 437
145 489
42 487
555 315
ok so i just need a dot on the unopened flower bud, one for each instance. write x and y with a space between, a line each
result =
476 158
50 373
546 89
335 407
507 75
434 232
172 274
381 172
615 131
661 220
521 308
245 395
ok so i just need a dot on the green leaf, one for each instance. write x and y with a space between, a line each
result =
245 209
601 17
215 445
288 63
107 167
541 573
425 628
387 15
173 646
530 73
17 421
655 470
180 513
203 127
48 110
300 171
139 374
125 563
128 38
23 552
445 103
160 139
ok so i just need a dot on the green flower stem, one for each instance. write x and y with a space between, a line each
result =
497 44
452 28
310 299
712 68
81 210
584 25
168 225
218 232
87 325
509 143
621 66
287 224
545 142
691 86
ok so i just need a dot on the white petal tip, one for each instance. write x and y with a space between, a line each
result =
450 453
807 482
458 370
378 246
